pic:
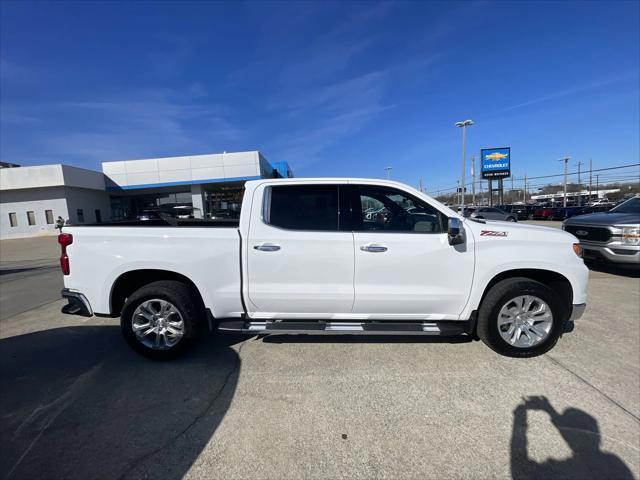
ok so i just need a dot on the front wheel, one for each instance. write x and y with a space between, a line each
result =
511 219
520 317
161 319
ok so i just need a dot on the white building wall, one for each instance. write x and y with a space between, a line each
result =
36 200
183 170
89 201
31 177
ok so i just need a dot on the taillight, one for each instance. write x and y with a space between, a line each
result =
64 239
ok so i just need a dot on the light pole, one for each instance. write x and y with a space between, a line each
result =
579 186
463 125
388 172
565 160
473 180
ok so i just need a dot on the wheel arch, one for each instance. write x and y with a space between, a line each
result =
554 280
130 281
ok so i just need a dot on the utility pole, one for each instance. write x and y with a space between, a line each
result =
565 160
463 125
473 180
525 188
597 185
388 172
512 183
579 185
590 175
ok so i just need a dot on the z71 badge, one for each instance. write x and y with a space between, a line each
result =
493 233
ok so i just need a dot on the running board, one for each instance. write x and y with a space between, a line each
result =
322 327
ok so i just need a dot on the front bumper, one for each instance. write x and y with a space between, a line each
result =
614 253
577 311
78 303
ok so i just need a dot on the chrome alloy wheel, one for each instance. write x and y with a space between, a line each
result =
157 324
525 321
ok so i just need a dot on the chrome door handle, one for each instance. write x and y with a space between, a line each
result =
372 247
267 247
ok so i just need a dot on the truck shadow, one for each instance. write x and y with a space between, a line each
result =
614 270
78 403
581 433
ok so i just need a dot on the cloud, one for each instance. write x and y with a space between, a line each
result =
323 116
305 147
146 123
577 89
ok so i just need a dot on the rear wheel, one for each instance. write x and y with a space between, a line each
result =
161 319
520 317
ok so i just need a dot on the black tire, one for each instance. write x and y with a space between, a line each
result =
511 219
186 301
500 294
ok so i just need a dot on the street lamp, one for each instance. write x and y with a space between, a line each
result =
565 160
463 125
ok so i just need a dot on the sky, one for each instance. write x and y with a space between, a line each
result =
335 89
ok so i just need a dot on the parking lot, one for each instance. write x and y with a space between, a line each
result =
78 403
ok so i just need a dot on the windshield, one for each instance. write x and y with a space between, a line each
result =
630 206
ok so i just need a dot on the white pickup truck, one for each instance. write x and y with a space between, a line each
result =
326 256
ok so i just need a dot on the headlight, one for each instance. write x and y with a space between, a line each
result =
631 235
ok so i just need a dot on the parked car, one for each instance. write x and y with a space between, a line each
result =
493 213
600 201
520 211
224 214
610 237
563 213
466 212
303 258
149 214
543 213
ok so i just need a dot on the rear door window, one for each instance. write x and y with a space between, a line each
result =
302 207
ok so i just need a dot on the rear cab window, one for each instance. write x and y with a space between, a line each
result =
302 207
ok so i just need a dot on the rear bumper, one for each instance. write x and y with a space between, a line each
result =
78 304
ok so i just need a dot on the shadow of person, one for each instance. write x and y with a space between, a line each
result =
581 433
78 403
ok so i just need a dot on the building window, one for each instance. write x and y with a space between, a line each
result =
49 216
13 219
31 218
80 215
98 216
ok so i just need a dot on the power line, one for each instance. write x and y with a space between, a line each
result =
590 171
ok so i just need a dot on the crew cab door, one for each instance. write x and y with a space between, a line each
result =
404 265
300 264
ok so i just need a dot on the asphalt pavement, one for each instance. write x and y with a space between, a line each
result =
29 274
78 403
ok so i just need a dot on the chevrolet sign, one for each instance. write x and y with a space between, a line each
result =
495 162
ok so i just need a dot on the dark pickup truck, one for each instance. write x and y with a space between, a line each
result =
609 237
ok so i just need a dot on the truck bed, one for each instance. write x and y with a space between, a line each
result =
178 222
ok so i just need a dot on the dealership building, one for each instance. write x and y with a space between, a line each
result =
32 198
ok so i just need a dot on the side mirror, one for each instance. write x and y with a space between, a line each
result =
455 232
